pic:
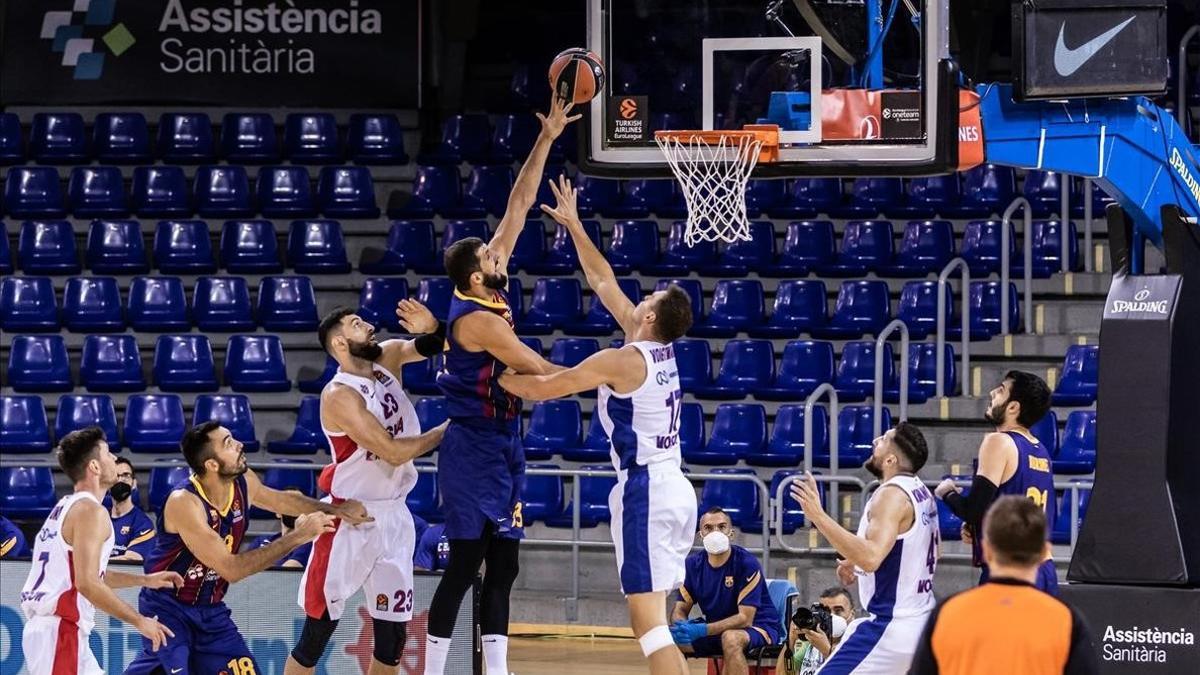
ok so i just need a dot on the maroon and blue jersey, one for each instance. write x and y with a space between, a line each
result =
201 584
470 380
1034 478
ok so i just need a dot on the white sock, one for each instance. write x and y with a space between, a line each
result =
495 654
436 650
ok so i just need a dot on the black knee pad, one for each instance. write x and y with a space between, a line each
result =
313 639
390 637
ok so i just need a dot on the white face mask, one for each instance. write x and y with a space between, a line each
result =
716 543
838 624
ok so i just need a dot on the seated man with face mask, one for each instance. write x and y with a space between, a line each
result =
727 582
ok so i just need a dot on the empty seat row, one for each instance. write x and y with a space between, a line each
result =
157 304
1080 380
216 192
187 138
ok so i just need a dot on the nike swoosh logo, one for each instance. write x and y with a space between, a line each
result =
1067 61
176 670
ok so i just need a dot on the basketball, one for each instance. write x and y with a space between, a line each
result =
576 75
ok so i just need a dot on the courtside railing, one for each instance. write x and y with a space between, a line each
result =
965 311
877 422
1027 236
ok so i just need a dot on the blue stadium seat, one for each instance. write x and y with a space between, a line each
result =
691 429
232 411
111 363
1046 431
1078 451
87 410
764 195
12 147
553 426
680 259
746 365
987 190
185 138
311 138
486 192
375 139
39 363
153 423
1100 202
555 303
855 375
435 293
598 320
23 425
47 247
222 304
662 197
1047 250
870 197
222 192
543 497
740 257
6 260
855 436
285 192
92 304
596 194
33 192
695 291
1043 190
984 303
593 499
409 246
950 525
739 499
26 492
1080 376
800 307
287 304
436 190
457 230
569 352
97 192
595 446
981 247
1060 532
347 192
786 445
161 192
922 373
255 363
424 497
420 377
301 480
862 308
925 248
562 258
163 481
694 359
28 304
378 298
530 247
58 138
249 138
634 245
317 247
927 197
121 138
513 138
737 306
866 246
184 363
250 247
464 138
739 430
183 247
316 384
116 247
431 412
807 244
918 308
805 365
793 515
809 197
158 304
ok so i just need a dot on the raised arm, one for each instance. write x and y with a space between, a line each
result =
525 188
599 273
345 411
614 367
489 332
889 510
295 503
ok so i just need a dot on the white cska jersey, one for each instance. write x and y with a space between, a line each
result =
356 473
903 584
643 425
50 588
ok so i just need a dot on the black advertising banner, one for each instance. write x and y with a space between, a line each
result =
343 53
1139 629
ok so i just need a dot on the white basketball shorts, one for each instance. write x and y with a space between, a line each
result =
876 646
653 527
52 645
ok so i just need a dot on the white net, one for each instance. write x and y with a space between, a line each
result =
713 175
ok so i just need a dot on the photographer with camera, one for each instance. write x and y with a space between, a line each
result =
814 631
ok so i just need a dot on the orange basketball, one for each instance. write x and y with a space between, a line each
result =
576 75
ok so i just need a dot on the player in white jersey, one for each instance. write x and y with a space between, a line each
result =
373 435
653 505
893 556
70 578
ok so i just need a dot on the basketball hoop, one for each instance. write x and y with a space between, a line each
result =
712 168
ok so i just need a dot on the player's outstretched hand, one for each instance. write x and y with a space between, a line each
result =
554 123
153 631
845 572
353 512
565 211
805 491
415 317
944 488
312 525
163 580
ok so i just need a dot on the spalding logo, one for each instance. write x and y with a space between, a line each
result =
629 108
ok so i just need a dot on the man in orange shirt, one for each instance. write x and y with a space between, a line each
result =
1006 625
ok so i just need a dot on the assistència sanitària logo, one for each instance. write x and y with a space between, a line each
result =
84 36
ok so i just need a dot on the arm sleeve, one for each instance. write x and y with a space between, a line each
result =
972 507
1082 658
924 661
423 557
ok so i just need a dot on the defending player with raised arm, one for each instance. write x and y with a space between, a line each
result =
893 555
70 579
639 403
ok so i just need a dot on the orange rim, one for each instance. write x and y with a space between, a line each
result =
768 134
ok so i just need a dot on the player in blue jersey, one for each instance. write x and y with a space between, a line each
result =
433 551
132 528
1011 462
481 464
200 531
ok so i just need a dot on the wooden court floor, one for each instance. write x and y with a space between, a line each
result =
579 655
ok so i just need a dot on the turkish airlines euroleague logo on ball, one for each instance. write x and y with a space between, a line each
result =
629 108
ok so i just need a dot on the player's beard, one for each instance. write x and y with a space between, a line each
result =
239 467
995 414
368 351
496 282
872 467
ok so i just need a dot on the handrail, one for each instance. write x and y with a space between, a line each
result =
834 410
965 310
1088 263
1019 202
780 496
1181 74
1065 217
895 325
